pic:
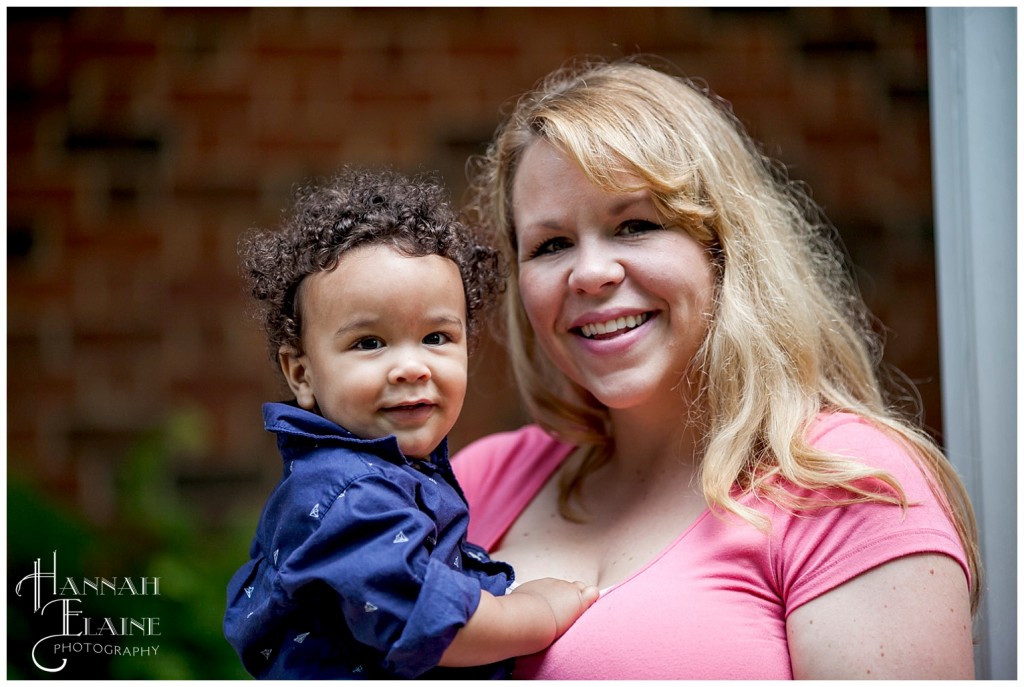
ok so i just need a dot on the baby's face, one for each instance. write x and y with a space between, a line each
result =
385 352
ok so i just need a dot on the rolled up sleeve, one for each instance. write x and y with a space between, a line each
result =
398 592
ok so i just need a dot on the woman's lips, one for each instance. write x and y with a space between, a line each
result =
613 326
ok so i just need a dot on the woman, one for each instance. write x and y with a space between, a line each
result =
713 446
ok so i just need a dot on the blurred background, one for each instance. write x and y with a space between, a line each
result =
141 142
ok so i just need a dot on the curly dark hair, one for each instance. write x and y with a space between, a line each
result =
358 207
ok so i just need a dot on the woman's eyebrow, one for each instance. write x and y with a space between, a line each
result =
627 203
615 209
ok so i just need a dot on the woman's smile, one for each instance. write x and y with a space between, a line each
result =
612 327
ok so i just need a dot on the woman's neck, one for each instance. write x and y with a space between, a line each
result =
654 443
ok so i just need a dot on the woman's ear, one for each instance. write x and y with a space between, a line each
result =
295 367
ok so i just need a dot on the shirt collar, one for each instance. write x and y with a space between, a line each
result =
289 420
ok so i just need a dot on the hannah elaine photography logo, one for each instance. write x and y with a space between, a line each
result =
63 603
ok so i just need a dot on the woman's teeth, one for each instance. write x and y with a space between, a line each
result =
612 326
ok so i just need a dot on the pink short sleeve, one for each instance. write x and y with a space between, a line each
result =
817 551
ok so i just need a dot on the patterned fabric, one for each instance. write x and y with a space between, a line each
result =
360 566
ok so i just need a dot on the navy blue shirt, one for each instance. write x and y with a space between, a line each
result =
360 566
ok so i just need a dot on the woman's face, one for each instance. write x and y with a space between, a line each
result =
619 302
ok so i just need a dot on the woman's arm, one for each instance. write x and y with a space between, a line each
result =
906 619
521 623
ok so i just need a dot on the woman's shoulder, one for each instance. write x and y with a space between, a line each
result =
528 438
828 427
500 473
855 437
818 549
517 451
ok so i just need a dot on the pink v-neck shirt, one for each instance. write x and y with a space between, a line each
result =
713 604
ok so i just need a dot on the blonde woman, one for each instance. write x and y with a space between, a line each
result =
713 446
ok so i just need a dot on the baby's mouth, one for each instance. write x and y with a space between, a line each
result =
614 327
410 412
410 407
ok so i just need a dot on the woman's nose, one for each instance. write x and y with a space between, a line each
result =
408 369
595 267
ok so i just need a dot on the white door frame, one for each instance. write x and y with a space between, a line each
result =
973 84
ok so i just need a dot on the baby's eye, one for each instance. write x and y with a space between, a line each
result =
549 246
638 226
436 339
369 343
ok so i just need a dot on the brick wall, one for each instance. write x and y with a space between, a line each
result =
143 141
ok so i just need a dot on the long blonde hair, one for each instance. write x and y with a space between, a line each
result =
790 336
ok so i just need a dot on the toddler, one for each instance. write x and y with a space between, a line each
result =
371 293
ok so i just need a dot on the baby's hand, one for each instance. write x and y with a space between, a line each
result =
521 623
567 600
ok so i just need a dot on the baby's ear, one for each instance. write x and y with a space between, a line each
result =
295 367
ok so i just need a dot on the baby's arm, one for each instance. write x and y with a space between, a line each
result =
524 622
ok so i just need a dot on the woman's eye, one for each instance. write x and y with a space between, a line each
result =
550 246
370 343
638 226
436 339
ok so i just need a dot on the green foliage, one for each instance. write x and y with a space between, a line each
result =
156 537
